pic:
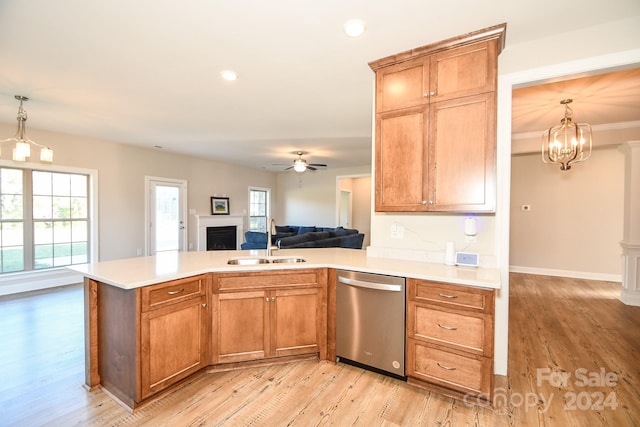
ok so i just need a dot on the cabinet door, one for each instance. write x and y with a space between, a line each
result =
402 85
462 151
463 71
174 344
295 321
241 326
401 159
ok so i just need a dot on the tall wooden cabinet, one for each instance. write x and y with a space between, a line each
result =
435 126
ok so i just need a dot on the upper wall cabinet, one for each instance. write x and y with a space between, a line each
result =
453 73
436 125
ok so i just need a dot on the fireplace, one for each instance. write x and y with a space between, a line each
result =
205 222
221 238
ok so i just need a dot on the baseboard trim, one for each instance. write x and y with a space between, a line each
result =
15 283
566 273
630 297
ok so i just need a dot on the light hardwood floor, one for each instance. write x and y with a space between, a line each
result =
561 332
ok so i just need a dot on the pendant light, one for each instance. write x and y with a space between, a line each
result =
565 144
22 148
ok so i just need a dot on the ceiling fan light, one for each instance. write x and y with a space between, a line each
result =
299 166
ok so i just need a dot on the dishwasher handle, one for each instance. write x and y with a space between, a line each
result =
370 285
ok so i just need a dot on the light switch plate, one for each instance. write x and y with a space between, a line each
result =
467 258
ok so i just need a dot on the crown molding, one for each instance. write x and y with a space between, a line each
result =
595 128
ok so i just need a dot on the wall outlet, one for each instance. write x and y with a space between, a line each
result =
397 231
138 251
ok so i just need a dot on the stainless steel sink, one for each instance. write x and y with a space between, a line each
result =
288 260
265 260
248 261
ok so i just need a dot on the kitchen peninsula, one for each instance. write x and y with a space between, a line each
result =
152 322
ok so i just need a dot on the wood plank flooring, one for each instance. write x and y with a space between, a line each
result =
562 331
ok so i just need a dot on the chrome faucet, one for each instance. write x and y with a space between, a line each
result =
271 231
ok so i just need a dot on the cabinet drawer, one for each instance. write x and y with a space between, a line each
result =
468 332
465 373
461 297
260 280
167 293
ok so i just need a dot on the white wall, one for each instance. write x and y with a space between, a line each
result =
362 207
122 169
360 188
310 198
575 223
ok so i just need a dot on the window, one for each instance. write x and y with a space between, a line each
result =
44 219
258 209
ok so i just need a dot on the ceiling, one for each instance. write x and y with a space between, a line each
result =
607 98
147 72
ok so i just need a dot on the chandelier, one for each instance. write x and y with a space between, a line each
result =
565 144
22 149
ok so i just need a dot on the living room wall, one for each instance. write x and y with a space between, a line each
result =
121 171
310 198
360 188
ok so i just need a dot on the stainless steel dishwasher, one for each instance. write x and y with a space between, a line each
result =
370 321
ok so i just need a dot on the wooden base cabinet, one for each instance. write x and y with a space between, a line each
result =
144 340
241 322
266 315
140 342
450 339
173 344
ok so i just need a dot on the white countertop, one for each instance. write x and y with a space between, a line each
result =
132 273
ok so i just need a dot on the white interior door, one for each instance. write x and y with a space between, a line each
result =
166 215
346 211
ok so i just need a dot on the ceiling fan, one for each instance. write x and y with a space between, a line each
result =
300 165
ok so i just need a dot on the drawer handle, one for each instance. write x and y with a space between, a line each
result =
447 296
448 328
175 292
448 368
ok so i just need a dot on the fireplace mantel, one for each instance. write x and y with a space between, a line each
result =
204 221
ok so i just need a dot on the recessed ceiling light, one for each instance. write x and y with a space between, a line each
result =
354 27
229 75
